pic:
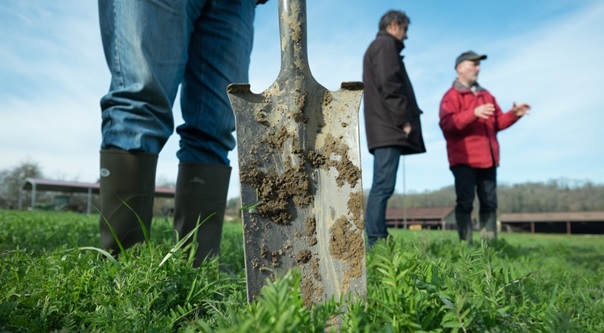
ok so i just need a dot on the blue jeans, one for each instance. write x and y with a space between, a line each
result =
152 48
469 181
385 166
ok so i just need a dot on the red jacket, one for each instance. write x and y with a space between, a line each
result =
471 141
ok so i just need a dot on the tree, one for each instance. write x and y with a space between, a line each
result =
531 197
12 180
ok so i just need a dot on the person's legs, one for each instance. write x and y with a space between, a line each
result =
385 166
465 187
218 54
486 188
145 45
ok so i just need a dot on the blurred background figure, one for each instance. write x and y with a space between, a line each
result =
470 119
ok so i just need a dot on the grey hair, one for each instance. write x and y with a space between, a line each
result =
393 15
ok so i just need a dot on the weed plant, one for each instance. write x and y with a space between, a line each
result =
53 278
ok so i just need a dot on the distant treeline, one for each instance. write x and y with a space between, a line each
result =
553 196
532 197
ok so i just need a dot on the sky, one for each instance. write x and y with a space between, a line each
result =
547 53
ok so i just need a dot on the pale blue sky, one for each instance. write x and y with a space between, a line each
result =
548 53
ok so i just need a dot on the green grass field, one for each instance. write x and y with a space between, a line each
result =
52 279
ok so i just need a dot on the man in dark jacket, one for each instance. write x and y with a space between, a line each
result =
392 121
470 119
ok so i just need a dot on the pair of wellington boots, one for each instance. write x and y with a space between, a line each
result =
127 189
487 225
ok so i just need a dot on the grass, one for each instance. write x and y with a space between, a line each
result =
421 281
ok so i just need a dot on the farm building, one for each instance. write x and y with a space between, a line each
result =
444 218
35 185
421 218
558 222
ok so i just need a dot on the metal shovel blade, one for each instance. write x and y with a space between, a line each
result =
300 173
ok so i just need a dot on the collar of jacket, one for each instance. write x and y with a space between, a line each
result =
465 89
399 44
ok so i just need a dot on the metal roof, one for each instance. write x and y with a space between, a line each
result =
79 187
423 213
433 213
595 216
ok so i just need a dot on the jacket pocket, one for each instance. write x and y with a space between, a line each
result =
415 139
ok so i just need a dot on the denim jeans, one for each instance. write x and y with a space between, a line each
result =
469 181
152 48
385 166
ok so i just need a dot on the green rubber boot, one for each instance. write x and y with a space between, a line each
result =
127 189
464 227
488 226
201 191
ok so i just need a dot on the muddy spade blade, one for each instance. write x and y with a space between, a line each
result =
300 173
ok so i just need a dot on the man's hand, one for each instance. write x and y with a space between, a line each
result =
484 111
520 110
407 129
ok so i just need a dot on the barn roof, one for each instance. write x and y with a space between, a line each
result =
595 216
59 186
425 213
41 184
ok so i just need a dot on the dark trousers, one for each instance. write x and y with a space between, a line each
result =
385 166
469 181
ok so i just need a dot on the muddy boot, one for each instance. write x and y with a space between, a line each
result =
488 226
201 191
464 227
127 188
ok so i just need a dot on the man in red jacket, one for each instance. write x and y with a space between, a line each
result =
470 119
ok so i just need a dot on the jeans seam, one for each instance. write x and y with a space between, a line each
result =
116 57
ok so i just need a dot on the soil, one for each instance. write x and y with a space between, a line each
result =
355 206
347 171
347 244
303 257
